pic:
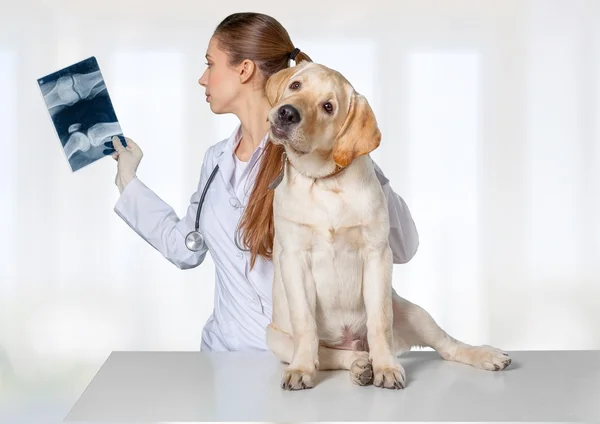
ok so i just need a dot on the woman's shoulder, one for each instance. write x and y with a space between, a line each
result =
379 172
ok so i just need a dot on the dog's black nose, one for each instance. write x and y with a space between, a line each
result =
288 115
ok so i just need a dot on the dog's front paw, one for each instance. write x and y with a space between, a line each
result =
390 377
297 379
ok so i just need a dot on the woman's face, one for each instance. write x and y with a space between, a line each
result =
221 82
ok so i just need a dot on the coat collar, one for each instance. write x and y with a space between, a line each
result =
225 158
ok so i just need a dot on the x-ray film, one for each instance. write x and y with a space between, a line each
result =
82 112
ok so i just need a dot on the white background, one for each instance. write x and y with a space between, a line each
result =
490 114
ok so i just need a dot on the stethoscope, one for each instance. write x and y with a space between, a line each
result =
194 241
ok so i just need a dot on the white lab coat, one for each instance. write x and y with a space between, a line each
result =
243 302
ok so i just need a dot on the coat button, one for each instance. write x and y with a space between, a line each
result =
240 255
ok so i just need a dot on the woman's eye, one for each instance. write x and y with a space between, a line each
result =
295 85
207 64
328 107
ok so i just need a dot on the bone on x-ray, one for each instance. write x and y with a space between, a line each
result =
82 112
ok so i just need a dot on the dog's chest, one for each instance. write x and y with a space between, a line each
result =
328 212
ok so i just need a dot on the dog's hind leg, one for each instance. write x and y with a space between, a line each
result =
414 326
357 362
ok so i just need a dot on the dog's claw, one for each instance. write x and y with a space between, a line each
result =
297 380
390 378
484 357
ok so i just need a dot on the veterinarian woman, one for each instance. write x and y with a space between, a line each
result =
245 49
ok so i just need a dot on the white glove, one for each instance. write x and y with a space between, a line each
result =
128 158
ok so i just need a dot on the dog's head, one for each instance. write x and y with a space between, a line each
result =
320 119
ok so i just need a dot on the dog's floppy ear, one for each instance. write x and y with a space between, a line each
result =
276 83
359 134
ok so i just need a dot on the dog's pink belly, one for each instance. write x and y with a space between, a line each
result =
348 341
352 345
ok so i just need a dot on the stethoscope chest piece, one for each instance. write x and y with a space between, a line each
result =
194 241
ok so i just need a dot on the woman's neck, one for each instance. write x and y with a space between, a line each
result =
253 117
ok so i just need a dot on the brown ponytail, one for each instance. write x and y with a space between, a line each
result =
263 40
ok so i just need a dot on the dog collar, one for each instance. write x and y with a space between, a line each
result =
279 177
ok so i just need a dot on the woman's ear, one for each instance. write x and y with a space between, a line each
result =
359 134
246 69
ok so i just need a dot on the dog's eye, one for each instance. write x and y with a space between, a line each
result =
328 107
295 85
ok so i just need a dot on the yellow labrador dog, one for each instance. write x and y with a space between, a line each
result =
333 302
